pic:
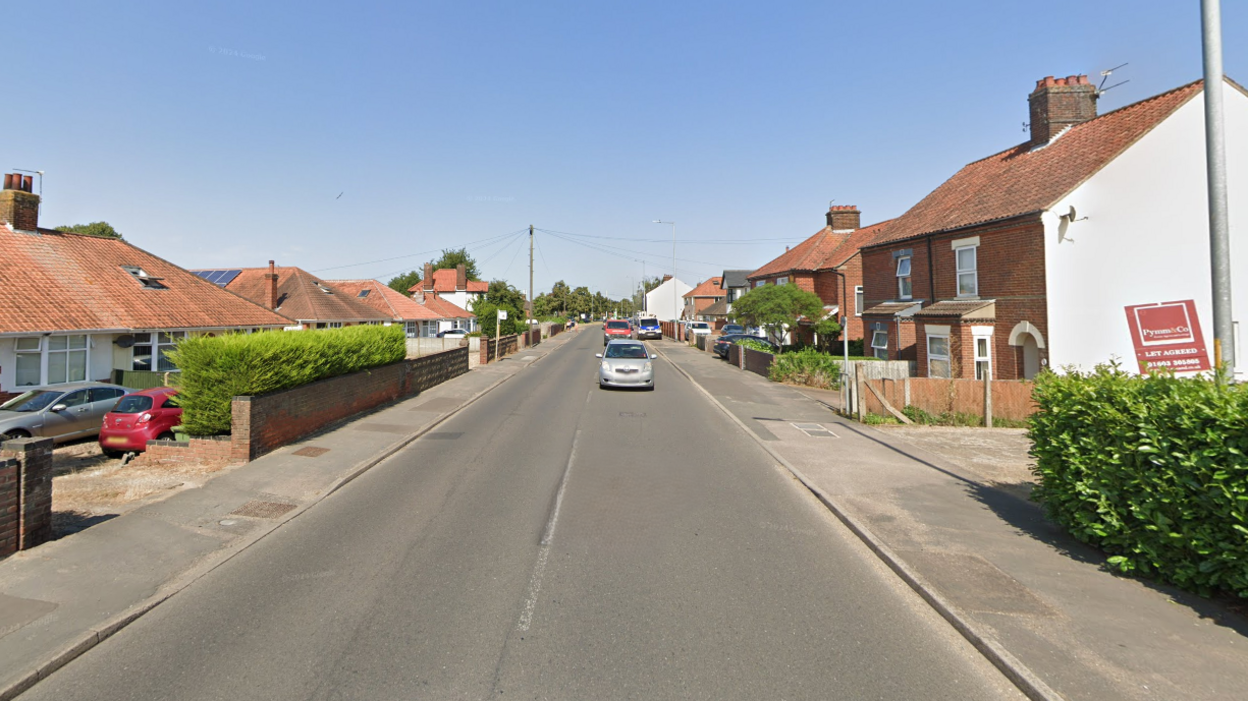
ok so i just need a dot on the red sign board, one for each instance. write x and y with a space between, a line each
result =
1167 335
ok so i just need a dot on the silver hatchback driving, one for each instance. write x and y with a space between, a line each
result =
626 364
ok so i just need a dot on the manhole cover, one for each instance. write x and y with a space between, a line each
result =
311 452
445 436
814 430
262 509
633 414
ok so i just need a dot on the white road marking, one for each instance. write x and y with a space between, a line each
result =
543 553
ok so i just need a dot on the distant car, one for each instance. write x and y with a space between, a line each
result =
616 328
62 413
626 363
722 343
731 329
697 328
453 333
146 415
648 327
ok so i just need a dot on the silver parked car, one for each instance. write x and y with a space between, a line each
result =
625 363
63 413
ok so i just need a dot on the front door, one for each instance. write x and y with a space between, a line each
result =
1031 357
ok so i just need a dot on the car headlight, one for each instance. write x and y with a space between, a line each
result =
647 367
606 366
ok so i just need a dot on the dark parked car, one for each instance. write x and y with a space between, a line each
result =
722 343
62 413
730 329
146 415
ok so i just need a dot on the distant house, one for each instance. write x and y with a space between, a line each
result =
293 292
829 264
417 320
76 307
734 283
1029 258
662 301
699 298
450 294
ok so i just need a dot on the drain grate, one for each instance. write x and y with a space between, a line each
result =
633 414
814 430
311 452
262 509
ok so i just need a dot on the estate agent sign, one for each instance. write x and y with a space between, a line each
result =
1167 335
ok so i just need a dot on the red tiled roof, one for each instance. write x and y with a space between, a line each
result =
1021 180
444 281
445 309
706 288
397 305
55 281
826 249
853 243
302 296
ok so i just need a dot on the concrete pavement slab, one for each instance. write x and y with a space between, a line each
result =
1042 601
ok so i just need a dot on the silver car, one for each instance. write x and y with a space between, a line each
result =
63 413
626 364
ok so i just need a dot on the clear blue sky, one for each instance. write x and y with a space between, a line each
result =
223 136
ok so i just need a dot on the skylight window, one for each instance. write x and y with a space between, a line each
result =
325 289
363 293
149 281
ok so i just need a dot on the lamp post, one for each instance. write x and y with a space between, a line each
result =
1215 162
675 304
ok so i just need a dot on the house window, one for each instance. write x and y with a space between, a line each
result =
329 324
149 346
858 301
903 277
938 357
879 343
983 357
968 275
782 281
760 283
412 329
67 359
29 361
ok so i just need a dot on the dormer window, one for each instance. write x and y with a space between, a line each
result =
149 282
325 289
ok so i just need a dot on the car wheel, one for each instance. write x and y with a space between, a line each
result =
167 436
14 434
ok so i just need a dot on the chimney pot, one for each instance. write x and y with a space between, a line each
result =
8 181
28 182
18 205
1059 103
844 217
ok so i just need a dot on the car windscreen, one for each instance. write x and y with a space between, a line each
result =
133 404
699 325
617 325
621 350
733 329
36 400
649 323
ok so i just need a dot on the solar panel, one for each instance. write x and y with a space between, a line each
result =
228 276
220 278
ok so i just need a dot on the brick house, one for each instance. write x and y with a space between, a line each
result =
313 303
449 293
1027 258
705 294
417 320
829 263
76 307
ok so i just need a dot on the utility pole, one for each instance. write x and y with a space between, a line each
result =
529 312
1215 163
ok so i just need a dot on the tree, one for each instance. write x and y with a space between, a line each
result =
452 257
405 282
101 229
500 295
777 307
827 331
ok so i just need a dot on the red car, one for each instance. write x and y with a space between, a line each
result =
137 418
616 328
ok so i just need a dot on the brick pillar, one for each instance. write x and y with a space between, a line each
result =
240 429
9 493
29 478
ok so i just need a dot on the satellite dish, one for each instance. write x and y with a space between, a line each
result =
1071 216
124 340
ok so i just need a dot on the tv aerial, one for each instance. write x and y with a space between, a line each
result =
1101 89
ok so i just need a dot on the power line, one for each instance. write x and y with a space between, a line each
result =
412 255
687 241
602 246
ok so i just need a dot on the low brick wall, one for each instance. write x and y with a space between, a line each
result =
25 494
490 348
736 356
758 362
1011 399
212 449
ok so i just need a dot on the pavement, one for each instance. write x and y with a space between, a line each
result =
1040 605
64 597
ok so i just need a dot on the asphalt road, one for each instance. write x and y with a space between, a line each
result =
551 541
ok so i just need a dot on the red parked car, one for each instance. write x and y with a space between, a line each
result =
616 328
137 418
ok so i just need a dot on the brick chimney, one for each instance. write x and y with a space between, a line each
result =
1057 103
272 278
19 207
427 283
844 217
461 277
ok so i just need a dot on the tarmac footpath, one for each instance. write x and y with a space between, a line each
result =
1037 603
62 598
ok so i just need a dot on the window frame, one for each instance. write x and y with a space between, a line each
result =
27 354
933 356
985 360
905 288
875 347
972 271
159 342
70 352
858 300
782 280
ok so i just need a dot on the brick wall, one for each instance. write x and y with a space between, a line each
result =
735 356
1010 399
758 362
25 494
490 347
211 449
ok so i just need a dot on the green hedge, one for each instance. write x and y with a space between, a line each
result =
808 367
215 369
1150 469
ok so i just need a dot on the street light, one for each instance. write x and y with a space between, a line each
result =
675 306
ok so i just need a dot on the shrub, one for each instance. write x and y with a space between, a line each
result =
756 345
807 367
215 369
1150 469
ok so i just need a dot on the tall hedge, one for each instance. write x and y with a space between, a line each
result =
1150 469
215 369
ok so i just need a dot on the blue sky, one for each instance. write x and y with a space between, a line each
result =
325 135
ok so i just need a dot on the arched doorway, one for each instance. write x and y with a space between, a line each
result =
1031 357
